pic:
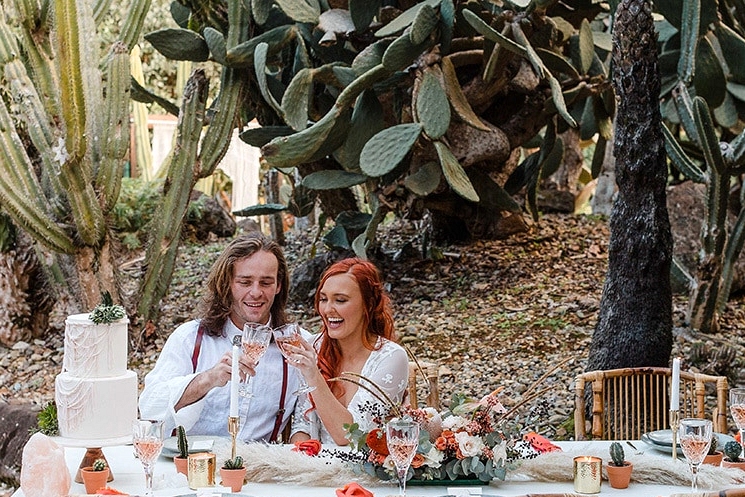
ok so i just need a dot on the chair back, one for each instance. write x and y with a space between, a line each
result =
430 374
629 402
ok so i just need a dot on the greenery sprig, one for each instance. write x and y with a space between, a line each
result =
46 420
107 312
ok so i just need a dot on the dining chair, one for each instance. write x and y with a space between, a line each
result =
629 402
429 372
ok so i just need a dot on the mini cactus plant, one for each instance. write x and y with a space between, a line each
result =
732 451
99 465
714 445
616 454
183 443
236 463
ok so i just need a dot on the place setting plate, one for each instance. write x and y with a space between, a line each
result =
662 440
197 443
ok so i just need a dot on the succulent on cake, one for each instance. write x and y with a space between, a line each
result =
99 465
236 463
107 312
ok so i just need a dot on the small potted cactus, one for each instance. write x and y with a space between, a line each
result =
182 459
95 476
233 473
714 457
732 453
619 469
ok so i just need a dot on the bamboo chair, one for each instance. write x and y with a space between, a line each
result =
629 402
431 378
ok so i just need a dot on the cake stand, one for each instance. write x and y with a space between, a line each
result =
93 450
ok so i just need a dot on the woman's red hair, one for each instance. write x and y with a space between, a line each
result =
377 318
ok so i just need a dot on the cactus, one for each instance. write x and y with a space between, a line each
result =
99 465
183 443
714 444
732 451
616 454
236 463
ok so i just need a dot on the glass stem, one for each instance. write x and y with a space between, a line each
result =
402 481
148 480
694 479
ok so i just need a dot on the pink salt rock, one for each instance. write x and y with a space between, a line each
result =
43 469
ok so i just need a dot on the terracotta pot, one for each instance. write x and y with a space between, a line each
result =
233 478
182 465
714 459
93 480
729 464
619 476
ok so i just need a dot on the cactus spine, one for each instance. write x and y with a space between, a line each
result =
99 465
183 443
236 463
616 454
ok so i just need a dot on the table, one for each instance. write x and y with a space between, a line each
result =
129 477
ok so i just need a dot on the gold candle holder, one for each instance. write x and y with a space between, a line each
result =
674 425
234 426
201 470
587 474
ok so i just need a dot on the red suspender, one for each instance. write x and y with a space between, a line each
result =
281 411
197 346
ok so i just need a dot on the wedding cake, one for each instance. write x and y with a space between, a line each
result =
96 395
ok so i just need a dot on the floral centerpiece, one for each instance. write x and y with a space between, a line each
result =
470 440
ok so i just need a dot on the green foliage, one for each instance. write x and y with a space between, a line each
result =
183 443
616 454
107 312
134 210
236 463
99 465
46 420
732 451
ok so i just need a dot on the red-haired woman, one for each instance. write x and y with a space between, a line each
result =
357 336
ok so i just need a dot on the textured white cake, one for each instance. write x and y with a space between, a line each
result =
96 394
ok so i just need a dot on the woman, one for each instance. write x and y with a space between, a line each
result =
356 337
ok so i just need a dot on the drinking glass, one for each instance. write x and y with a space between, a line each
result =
254 343
737 408
402 436
289 335
147 437
695 438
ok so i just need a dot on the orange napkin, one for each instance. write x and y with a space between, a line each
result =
109 491
353 490
310 447
540 443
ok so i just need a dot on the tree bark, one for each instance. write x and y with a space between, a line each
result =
635 321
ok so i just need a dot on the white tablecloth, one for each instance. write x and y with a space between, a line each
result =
129 477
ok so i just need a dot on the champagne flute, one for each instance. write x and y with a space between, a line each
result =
402 437
254 342
286 336
695 438
737 408
147 437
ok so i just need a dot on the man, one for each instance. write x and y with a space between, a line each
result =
189 385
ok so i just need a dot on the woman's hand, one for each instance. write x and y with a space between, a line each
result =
305 359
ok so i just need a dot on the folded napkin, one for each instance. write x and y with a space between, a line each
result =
732 492
310 447
353 490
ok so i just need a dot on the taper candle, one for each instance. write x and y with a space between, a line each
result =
234 381
675 386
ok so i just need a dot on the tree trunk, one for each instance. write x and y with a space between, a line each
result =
635 322
96 272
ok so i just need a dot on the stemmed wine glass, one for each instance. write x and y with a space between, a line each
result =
288 335
255 341
737 408
695 438
402 437
147 437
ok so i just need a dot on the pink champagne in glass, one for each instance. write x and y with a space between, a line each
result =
402 437
254 342
695 438
286 336
147 438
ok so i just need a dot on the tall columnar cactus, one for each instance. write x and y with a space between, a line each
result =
721 246
617 455
183 443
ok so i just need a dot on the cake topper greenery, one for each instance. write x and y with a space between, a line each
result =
107 312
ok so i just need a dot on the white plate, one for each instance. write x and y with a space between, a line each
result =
197 443
662 440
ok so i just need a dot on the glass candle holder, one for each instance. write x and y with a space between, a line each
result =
587 474
201 470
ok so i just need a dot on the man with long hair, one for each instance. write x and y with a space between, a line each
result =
189 385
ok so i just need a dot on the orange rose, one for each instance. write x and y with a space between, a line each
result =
309 447
377 441
418 461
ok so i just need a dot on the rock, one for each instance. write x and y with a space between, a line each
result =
15 422
305 277
208 217
44 472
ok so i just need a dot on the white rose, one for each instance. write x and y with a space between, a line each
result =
433 458
469 445
454 423
500 453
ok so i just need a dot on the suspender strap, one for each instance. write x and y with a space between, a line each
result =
281 411
197 347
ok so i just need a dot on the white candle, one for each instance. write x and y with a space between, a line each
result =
234 381
675 386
